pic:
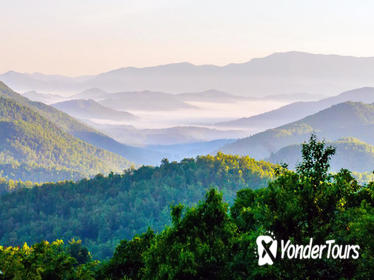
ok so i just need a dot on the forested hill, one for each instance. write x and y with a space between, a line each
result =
33 148
103 210
82 131
60 119
309 208
349 119
351 153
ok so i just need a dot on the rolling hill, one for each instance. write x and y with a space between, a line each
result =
349 119
30 140
103 210
298 110
351 153
90 109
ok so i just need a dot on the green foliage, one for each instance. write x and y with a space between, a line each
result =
11 185
316 157
43 260
363 177
128 258
33 148
198 247
103 210
77 251
60 119
210 240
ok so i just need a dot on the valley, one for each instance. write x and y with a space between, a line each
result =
109 165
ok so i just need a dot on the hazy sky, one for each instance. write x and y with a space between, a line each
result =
77 37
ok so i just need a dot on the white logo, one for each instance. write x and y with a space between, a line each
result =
267 249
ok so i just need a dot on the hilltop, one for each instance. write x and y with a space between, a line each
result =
349 119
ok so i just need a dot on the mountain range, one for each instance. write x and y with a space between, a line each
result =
138 155
45 98
144 101
207 96
165 136
90 109
298 110
349 119
300 96
211 96
81 131
279 73
91 93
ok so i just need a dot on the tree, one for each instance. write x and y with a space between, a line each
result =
128 259
316 156
43 260
197 246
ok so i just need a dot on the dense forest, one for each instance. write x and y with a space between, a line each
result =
103 210
213 240
32 148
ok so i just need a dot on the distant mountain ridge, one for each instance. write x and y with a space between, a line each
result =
302 96
144 101
92 93
156 101
77 129
349 119
298 110
90 135
179 152
279 73
211 95
90 109
42 97
166 136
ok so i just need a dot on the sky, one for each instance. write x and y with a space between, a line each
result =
79 37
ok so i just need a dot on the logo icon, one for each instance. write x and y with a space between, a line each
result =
267 249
